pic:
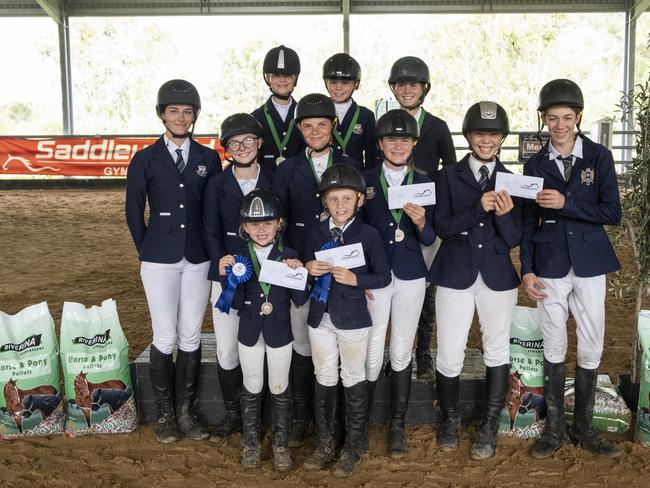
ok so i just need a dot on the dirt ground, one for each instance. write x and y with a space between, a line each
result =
74 245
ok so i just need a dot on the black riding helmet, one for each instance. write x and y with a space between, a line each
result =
410 69
281 60
341 176
486 117
560 92
178 92
397 123
342 66
237 124
315 105
260 205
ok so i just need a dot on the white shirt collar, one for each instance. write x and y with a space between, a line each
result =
475 166
283 110
171 147
247 185
332 225
320 162
394 177
342 109
262 253
576 151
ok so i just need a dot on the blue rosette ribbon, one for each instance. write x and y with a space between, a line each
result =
239 273
321 289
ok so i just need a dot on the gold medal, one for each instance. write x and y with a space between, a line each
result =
399 235
279 160
266 308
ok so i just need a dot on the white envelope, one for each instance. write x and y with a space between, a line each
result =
422 194
519 185
348 257
279 274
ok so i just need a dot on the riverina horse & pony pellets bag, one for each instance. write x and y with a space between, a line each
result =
31 402
95 359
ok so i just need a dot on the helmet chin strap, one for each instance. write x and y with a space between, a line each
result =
317 150
397 164
241 165
179 136
281 97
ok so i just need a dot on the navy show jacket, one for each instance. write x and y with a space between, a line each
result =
221 207
296 187
346 304
405 257
175 226
275 327
554 241
269 152
473 240
362 144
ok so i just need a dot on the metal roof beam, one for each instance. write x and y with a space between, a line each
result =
53 8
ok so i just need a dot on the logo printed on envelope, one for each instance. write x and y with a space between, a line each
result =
279 274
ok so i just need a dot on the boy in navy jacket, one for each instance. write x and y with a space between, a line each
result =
355 131
565 254
339 323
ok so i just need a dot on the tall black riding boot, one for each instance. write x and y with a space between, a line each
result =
251 410
281 419
356 412
231 385
448 390
496 385
324 404
338 430
187 377
372 386
553 436
583 434
302 389
400 392
424 363
161 371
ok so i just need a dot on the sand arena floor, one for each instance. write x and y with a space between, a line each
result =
74 245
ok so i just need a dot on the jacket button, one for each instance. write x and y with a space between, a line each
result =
481 224
261 295
317 195
182 206
317 216
181 185
261 313
568 194
480 246
570 232
391 224
284 133
390 242
182 226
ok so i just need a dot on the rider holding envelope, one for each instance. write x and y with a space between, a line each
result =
473 270
402 232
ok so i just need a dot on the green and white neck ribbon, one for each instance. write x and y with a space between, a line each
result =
256 266
313 169
421 117
274 132
343 141
397 214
